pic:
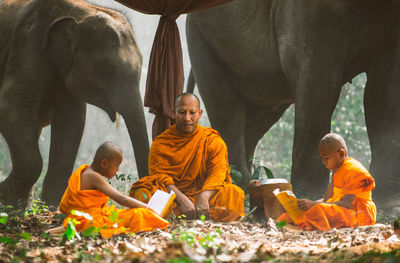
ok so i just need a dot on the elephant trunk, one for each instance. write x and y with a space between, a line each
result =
133 115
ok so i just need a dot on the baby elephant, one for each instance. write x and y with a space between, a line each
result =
56 56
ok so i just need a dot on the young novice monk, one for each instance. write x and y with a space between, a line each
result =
88 191
348 199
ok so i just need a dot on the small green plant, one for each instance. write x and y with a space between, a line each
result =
26 236
71 232
38 207
8 240
281 224
180 260
3 218
123 177
194 238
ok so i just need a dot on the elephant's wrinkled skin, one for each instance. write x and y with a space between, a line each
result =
56 56
252 59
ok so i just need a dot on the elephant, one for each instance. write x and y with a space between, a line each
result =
55 57
252 59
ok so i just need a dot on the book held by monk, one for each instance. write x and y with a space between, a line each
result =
289 203
161 201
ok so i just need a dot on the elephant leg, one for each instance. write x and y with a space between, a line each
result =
258 122
313 113
26 160
217 85
382 116
67 126
228 121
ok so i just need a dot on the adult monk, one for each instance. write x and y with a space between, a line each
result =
348 199
192 161
88 192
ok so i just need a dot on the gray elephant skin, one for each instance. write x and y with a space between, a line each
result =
56 56
252 59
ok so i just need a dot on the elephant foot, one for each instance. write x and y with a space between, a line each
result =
51 199
11 193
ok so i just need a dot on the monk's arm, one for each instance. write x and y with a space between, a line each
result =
185 204
346 201
329 192
306 204
98 182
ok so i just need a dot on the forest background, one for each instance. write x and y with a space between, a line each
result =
273 151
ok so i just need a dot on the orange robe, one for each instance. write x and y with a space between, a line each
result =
193 163
350 179
94 203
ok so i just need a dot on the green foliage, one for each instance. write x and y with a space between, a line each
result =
114 216
38 207
257 173
236 175
194 238
180 260
8 240
71 232
203 218
374 256
91 232
3 218
25 236
280 224
123 177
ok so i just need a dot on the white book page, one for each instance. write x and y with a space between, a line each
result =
158 201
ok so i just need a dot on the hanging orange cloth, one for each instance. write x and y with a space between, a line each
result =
193 163
165 73
350 179
94 203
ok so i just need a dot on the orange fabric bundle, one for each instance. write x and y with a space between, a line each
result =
94 203
193 163
350 179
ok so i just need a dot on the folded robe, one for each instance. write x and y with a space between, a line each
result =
193 163
94 203
350 179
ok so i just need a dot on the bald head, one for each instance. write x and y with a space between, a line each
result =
108 151
333 141
184 97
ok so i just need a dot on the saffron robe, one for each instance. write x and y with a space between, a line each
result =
351 178
193 163
94 203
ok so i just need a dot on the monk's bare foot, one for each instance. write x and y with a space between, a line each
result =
56 230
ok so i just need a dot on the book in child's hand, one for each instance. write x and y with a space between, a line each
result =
161 201
289 203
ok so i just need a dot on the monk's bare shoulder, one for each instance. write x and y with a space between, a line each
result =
90 180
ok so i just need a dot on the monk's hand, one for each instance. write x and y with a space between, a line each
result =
305 204
202 204
202 207
187 207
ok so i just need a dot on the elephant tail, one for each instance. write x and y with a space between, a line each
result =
191 82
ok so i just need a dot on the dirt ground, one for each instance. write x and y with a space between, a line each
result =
199 241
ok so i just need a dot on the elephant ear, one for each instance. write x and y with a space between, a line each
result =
58 42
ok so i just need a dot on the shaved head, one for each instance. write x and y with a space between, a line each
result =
333 141
186 95
108 151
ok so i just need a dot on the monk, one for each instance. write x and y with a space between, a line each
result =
347 202
89 192
192 161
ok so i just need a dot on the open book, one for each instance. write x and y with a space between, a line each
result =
289 202
161 201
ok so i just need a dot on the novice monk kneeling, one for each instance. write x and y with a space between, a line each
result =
88 191
348 199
